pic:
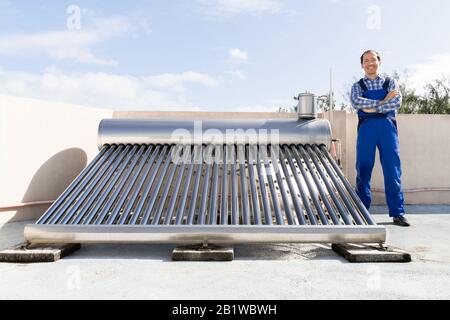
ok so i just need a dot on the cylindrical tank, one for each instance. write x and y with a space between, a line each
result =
232 131
307 106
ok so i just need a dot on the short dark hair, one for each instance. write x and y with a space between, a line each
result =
370 51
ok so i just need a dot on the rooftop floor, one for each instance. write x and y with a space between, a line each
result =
282 271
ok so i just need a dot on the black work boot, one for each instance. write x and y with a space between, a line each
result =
401 221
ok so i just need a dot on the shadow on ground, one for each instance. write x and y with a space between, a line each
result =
159 252
163 252
285 251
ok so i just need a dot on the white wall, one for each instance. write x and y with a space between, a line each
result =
43 147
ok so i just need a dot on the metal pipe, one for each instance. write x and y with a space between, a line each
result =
295 201
245 204
310 185
95 210
126 212
218 234
154 171
317 182
122 183
215 184
262 187
196 186
301 187
94 191
224 207
341 192
287 205
134 192
168 184
349 188
339 187
273 192
74 185
345 215
187 184
148 211
89 187
223 131
26 204
55 215
234 189
128 189
204 195
174 196
253 188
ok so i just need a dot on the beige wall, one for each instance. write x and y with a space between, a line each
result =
44 146
425 156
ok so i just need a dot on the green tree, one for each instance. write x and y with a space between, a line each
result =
411 101
435 100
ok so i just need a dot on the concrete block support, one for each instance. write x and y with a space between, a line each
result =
202 253
371 253
34 253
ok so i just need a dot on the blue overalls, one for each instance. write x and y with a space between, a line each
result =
379 130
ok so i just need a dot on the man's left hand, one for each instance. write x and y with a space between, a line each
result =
370 110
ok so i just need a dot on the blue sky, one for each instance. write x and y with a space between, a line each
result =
219 55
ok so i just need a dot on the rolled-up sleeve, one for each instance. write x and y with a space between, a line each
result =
361 103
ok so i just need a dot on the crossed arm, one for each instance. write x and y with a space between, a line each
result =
392 101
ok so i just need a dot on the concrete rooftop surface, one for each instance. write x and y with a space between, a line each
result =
281 271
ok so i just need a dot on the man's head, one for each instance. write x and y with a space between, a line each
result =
370 62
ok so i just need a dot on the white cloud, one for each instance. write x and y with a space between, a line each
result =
227 8
62 45
104 89
175 82
235 59
238 55
236 73
420 74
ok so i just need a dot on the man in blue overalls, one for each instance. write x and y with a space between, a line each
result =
377 100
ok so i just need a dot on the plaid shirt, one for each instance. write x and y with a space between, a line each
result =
361 103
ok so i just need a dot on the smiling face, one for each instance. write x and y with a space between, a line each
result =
371 64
